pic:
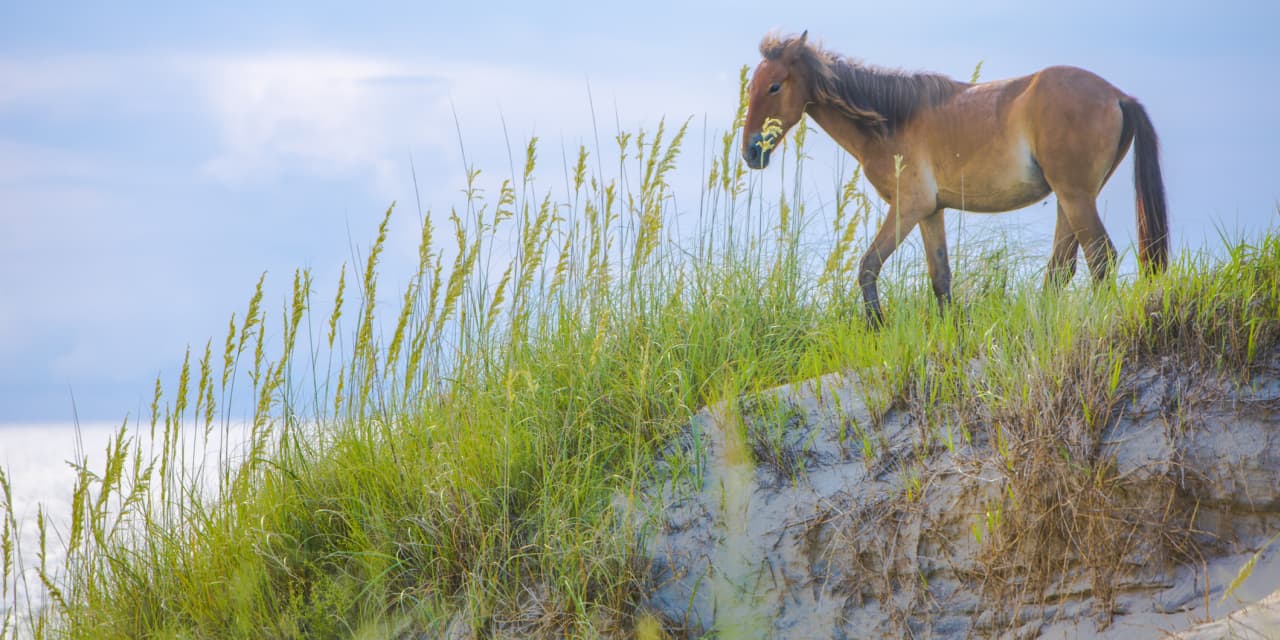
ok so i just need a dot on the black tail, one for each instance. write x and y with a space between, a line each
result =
1153 218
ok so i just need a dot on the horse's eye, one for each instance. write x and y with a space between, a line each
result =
774 88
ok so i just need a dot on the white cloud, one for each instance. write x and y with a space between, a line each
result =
338 114
325 114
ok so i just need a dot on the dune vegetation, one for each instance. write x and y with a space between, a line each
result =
464 453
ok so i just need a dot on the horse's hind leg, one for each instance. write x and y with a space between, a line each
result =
933 230
1077 128
1081 213
1062 262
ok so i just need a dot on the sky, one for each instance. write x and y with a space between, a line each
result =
157 158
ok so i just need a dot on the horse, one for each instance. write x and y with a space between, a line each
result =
928 143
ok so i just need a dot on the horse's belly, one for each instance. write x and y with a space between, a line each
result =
1012 183
993 198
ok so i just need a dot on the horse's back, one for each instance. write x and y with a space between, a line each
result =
1068 88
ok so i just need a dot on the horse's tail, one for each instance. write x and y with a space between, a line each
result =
1153 217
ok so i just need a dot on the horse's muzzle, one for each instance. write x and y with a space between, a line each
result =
757 152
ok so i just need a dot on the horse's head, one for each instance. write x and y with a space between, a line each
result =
776 98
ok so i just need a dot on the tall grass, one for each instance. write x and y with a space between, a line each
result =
467 461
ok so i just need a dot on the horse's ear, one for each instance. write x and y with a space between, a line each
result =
792 47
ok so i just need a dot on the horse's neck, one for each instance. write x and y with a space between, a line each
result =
871 151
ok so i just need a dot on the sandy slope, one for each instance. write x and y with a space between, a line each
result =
800 537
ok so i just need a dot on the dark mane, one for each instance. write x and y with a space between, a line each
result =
878 100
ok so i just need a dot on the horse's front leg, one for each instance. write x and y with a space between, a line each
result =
897 223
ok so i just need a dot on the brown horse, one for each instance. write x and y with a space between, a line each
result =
928 143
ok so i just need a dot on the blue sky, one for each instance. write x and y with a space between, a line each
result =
156 158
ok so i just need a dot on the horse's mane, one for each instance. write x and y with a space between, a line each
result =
879 101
